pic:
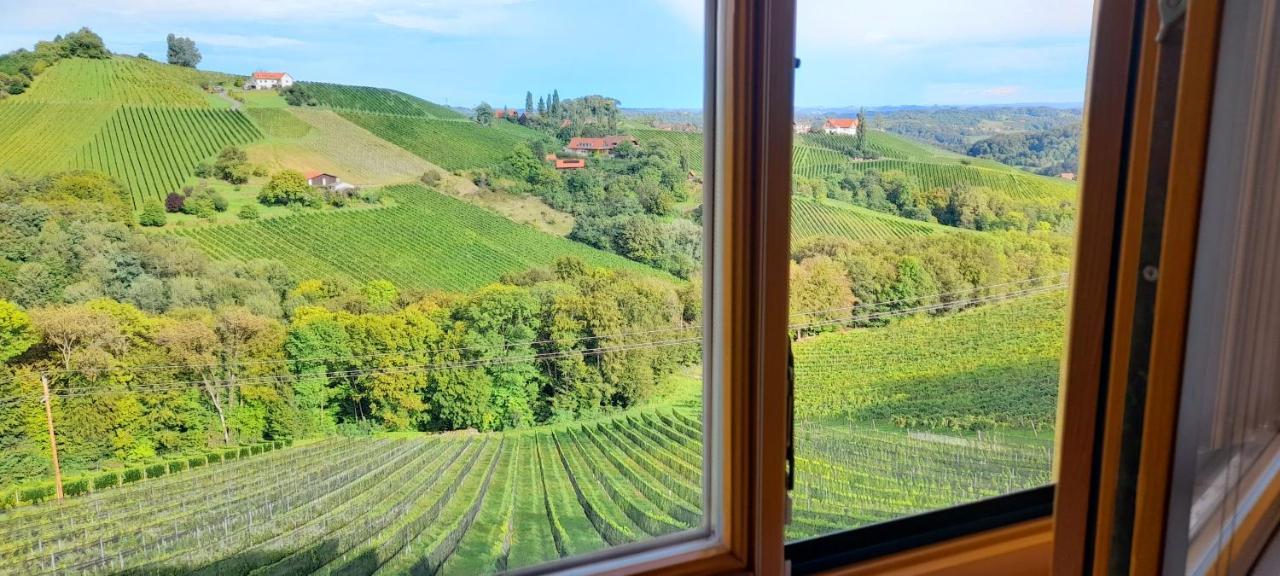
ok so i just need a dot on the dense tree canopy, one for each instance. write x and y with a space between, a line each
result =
182 51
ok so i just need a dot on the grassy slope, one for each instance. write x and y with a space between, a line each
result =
380 100
811 218
428 240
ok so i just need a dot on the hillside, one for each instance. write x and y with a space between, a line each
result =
811 218
419 243
451 144
380 100
147 124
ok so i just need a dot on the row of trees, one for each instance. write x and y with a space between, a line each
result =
152 349
20 67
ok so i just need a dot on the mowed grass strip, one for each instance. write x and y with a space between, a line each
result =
428 241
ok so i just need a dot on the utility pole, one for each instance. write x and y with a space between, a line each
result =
53 438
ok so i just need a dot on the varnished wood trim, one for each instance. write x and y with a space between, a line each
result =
1173 292
1126 289
1021 549
1103 177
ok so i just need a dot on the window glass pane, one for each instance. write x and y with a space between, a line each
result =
348 287
1230 415
933 211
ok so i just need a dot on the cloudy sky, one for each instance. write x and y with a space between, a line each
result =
647 53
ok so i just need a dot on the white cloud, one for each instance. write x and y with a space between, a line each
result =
441 11
837 24
239 41
693 13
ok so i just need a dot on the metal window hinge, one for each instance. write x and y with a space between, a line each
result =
1171 11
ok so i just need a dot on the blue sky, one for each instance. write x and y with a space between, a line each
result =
647 53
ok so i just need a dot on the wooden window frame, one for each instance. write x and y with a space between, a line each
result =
748 110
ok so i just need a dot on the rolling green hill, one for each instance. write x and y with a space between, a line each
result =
307 139
380 100
121 80
418 243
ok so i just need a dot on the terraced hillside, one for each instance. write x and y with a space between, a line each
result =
121 80
481 503
380 100
416 244
451 144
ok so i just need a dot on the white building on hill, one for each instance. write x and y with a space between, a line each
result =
841 126
269 81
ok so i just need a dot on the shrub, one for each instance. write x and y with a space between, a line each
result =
230 455
152 214
245 452
219 201
131 475
248 212
260 171
177 466
213 457
269 446
104 481
174 202
279 444
288 441
7 499
255 449
430 177
196 462
156 470
286 187
75 488
204 170
37 494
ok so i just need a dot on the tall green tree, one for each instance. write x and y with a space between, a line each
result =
528 103
16 332
542 105
555 102
183 51
862 132
484 114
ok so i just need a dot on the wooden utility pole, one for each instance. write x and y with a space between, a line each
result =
53 438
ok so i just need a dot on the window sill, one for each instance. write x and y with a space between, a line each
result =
1021 549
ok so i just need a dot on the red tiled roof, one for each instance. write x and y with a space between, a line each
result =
841 123
268 75
570 163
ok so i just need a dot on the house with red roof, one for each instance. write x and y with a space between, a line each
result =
606 145
571 163
322 180
269 81
506 114
841 126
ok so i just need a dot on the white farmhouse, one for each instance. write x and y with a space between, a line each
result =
269 80
841 126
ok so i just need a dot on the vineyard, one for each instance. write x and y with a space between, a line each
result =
121 80
689 145
482 503
811 218
989 367
153 150
308 139
450 144
38 138
416 244
379 100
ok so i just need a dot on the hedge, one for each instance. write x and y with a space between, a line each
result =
177 466
37 494
213 457
108 480
278 444
245 452
131 475
156 470
196 462
74 488
230 454
255 449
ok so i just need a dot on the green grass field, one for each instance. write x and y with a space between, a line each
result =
450 144
306 139
419 243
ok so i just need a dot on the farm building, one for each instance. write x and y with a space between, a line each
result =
506 114
605 145
1067 175
269 81
841 126
571 163
802 127
323 180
